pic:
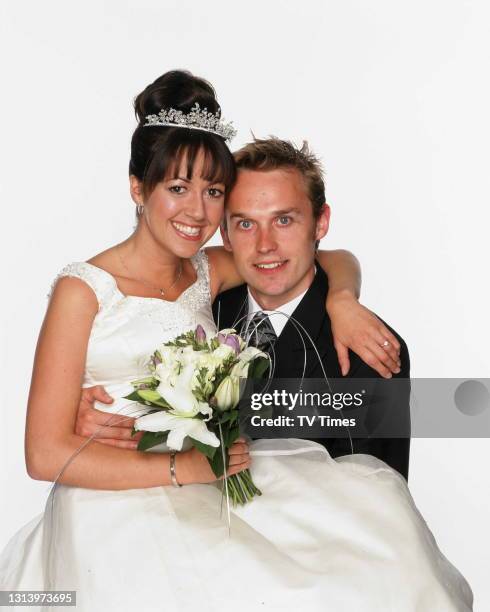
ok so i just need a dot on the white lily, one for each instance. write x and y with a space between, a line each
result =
251 353
166 373
179 427
180 397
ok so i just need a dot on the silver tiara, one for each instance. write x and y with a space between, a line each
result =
195 119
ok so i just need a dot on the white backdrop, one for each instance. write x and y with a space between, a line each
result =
393 96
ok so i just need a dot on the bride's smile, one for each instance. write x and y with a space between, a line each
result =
181 213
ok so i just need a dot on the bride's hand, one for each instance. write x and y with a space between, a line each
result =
193 467
357 328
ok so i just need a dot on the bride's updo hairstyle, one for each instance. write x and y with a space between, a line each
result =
157 151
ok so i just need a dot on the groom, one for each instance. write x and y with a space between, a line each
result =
275 215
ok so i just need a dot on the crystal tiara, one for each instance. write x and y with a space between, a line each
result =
195 119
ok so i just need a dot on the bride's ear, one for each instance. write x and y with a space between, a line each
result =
136 190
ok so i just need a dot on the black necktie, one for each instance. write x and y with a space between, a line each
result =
260 333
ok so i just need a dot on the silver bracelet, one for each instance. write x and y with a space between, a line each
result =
173 475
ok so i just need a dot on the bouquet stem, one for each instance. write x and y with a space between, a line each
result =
242 488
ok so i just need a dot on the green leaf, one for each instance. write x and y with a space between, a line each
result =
151 438
224 417
216 463
148 395
231 436
134 397
229 431
228 417
258 367
150 380
205 449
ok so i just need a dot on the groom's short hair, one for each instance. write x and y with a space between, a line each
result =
273 153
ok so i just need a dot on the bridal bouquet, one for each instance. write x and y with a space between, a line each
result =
193 393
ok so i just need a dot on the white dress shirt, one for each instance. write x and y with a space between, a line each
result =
276 316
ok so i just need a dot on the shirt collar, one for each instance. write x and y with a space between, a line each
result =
278 320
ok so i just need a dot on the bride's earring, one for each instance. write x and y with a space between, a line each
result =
139 209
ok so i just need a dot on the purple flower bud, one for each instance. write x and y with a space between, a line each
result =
200 334
221 338
233 342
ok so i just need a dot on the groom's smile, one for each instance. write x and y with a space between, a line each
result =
271 267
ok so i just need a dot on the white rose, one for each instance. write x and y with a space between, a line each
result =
209 361
223 352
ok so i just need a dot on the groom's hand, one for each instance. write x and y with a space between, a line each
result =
111 429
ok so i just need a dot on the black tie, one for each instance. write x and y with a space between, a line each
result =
260 333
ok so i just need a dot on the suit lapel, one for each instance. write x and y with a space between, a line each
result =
313 325
230 307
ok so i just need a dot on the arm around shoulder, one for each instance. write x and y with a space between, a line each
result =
222 270
343 270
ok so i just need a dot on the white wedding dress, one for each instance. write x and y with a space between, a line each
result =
331 535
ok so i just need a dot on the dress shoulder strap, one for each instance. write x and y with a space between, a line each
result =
101 282
201 265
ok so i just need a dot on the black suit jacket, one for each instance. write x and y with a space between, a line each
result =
232 306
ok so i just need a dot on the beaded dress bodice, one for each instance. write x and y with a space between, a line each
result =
127 329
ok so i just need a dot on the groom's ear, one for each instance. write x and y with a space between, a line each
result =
323 222
136 190
224 235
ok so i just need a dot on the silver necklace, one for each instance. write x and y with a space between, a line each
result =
142 280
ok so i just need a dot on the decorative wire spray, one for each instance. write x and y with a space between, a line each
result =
49 543
299 328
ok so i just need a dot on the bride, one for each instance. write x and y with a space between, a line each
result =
326 534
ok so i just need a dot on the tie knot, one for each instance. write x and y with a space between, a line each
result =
260 332
259 317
